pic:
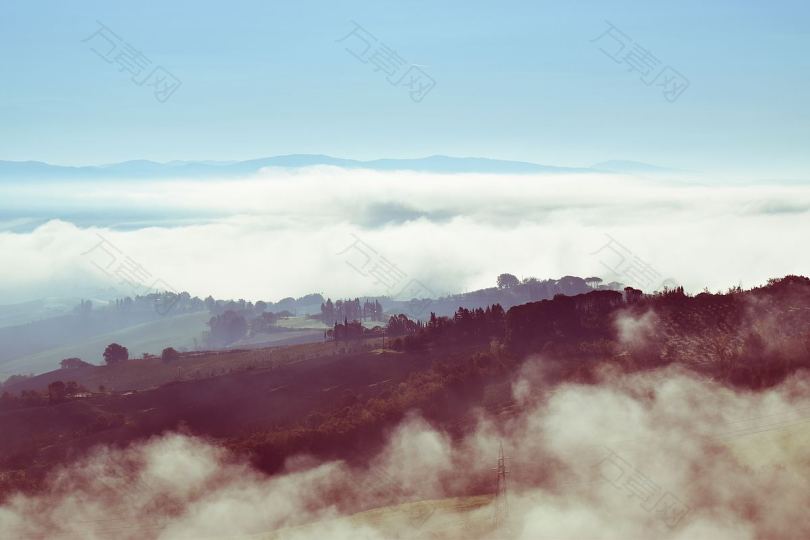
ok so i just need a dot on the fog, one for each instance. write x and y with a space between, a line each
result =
287 232
661 454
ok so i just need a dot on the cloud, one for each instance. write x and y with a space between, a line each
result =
281 233
635 332
660 454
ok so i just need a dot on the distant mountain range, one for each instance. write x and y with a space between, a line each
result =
144 169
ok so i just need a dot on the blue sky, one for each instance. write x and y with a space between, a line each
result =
514 80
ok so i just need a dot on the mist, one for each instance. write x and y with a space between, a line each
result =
657 454
286 232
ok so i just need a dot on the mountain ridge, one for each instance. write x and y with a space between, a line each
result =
141 168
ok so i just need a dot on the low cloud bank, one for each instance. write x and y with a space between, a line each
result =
660 454
286 233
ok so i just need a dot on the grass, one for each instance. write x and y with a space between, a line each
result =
142 374
440 518
301 323
152 337
182 331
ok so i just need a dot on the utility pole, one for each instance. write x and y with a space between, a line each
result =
501 499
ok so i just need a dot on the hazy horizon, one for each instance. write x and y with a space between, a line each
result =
453 232
540 82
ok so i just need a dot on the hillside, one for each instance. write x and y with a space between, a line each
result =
181 331
335 400
84 330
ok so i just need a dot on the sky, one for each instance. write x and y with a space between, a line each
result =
713 91
533 81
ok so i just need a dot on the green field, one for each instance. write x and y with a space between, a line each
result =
152 337
301 323
305 323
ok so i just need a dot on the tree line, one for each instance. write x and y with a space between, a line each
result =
351 310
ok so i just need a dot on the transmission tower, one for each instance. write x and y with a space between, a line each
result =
501 498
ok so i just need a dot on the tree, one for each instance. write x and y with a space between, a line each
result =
328 312
507 281
593 282
84 308
73 363
7 399
400 325
227 328
16 378
56 392
115 353
264 323
631 295
169 354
